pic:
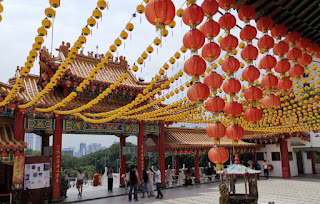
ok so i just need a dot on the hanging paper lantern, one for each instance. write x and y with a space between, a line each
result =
264 24
160 12
313 49
292 38
215 104
282 66
284 84
218 155
216 130
250 74
211 51
229 43
278 31
317 54
210 29
235 132
194 66
296 71
253 94
248 33
226 4
253 115
233 109
304 60
210 7
268 62
198 92
230 65
281 48
213 80
271 101
249 53
247 13
265 43
193 15
193 40
232 86
227 21
303 44
269 81
294 54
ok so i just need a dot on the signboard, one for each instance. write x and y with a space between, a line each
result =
7 160
47 151
18 167
129 150
37 176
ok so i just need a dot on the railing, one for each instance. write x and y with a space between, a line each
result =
8 194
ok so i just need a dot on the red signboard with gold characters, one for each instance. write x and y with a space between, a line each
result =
18 171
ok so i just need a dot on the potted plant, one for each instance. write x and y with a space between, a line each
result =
27 196
46 195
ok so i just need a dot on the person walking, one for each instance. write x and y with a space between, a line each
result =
80 178
158 182
125 181
110 179
144 183
257 167
65 182
134 180
266 169
150 182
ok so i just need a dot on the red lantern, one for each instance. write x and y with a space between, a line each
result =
284 84
210 7
235 132
282 66
195 66
215 104
269 81
248 33
317 54
5 154
211 51
93 88
253 94
249 53
268 62
292 38
247 13
250 74
68 83
265 43
303 44
278 31
230 65
280 48
213 80
227 21
296 71
233 109
45 83
193 40
313 48
294 54
232 86
253 115
218 155
216 130
304 60
226 4
17 153
160 12
198 92
193 15
44 76
210 29
229 43
264 24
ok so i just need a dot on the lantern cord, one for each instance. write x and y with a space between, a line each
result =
52 33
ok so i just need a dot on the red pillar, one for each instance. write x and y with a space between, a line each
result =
284 158
19 130
123 159
161 157
44 142
313 163
196 167
56 158
176 164
140 152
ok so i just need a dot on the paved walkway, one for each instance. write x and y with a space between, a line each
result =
298 190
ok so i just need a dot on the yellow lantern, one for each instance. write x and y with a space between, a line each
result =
0 18
172 24
91 22
179 12
54 3
33 53
113 48
109 55
149 49
46 23
85 31
165 66
177 55
172 60
164 32
28 65
140 60
82 39
135 68
146 1
96 13
117 42
77 44
74 50
161 72
36 46
39 40
102 4
183 49
157 77
30 59
144 55
42 31
124 35
129 27
157 41
49 12
140 8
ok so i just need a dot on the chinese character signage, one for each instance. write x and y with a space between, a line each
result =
129 150
18 172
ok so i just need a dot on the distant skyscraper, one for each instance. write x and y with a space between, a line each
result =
68 151
83 149
33 140
94 147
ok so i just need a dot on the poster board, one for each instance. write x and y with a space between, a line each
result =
36 173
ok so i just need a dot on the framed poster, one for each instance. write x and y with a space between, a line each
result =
37 176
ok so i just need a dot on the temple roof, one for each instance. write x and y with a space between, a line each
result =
7 140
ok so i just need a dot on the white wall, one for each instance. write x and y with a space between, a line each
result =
277 167
307 165
315 139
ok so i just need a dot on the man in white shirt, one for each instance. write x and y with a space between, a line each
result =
265 166
158 182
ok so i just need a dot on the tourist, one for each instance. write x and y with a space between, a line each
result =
134 180
125 181
144 183
158 182
80 178
257 167
110 179
150 182
266 169
188 175
65 182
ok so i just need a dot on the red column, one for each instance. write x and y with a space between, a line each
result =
140 152
313 163
19 130
123 159
176 164
196 167
284 158
161 155
56 158
44 142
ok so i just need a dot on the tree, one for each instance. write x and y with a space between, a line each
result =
31 152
